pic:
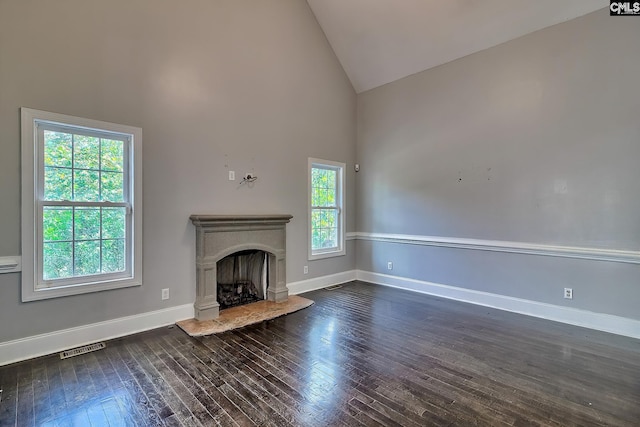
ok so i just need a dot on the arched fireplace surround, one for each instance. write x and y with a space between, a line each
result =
218 236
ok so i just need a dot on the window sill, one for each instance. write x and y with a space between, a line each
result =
324 255
64 291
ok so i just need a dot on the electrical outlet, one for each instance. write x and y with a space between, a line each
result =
305 269
232 175
389 265
568 293
165 293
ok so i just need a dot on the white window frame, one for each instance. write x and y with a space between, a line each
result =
33 286
340 206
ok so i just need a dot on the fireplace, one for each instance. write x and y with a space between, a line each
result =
224 244
242 278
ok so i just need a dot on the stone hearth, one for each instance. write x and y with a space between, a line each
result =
218 236
244 315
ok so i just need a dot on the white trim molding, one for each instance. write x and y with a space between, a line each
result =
596 254
316 283
33 283
339 207
10 264
587 319
44 344
53 342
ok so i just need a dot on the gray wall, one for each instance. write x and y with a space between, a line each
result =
250 86
535 141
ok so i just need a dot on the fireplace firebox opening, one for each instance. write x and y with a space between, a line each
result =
242 278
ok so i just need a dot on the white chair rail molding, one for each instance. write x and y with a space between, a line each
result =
10 264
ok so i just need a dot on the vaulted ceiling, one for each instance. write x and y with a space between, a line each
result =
379 41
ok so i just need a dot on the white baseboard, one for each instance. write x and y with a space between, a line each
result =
302 286
588 319
44 344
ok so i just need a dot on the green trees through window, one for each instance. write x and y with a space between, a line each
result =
81 207
81 233
324 208
83 168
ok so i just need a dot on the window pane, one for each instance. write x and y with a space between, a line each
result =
324 228
323 187
57 260
316 218
316 177
331 179
319 178
331 197
323 218
113 223
112 186
86 152
87 257
333 237
86 185
57 149
113 256
315 196
87 223
324 179
57 184
323 238
315 238
112 153
57 223
322 197
331 219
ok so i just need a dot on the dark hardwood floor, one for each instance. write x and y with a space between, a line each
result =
362 355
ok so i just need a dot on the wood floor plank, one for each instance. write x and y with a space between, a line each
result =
259 346
25 409
114 401
202 388
308 378
362 355
132 399
43 411
144 378
57 396
9 396
526 354
199 414
155 373
295 410
349 350
232 387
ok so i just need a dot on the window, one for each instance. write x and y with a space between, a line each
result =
81 210
326 209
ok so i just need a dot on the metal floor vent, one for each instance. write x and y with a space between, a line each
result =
82 350
332 287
